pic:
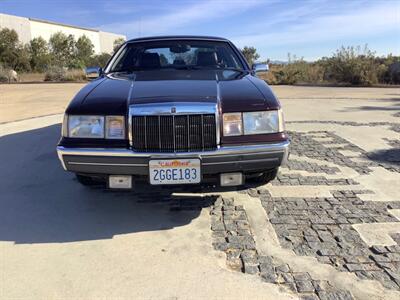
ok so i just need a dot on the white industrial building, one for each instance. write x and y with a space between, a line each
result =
29 28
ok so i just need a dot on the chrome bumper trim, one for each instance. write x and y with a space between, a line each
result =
225 150
107 164
222 151
236 161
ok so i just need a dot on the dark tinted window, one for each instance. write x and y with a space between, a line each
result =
176 55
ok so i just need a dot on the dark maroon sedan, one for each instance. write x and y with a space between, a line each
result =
175 110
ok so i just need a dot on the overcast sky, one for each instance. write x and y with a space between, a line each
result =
309 29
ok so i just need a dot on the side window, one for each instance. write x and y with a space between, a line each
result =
120 59
126 60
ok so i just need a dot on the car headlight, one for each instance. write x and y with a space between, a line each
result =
86 126
259 122
115 127
233 124
109 127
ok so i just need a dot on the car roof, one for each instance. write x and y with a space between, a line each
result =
177 37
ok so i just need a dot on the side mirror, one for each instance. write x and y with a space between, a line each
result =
93 72
257 67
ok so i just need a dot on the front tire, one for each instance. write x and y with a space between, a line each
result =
87 180
267 176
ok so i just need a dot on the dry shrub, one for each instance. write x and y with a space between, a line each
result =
3 74
269 76
62 74
54 74
75 75
31 77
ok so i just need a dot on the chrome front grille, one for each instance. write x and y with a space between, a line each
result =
174 133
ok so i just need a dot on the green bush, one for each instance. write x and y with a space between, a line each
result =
352 65
295 71
389 69
287 75
348 66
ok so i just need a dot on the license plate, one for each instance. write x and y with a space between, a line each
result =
174 171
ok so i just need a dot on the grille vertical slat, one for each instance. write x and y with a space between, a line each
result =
195 132
202 132
138 128
167 134
209 132
174 133
152 133
181 134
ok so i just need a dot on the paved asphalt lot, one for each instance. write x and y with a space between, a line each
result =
327 228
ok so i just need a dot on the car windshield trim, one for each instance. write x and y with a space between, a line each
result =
130 58
189 68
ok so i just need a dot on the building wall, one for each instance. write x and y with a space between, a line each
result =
46 30
28 29
107 40
19 24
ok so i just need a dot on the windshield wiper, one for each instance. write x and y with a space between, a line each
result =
236 70
181 67
184 67
131 70
121 71
188 67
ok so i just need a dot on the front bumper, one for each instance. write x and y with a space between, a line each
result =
243 158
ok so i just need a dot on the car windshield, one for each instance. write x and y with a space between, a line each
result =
184 54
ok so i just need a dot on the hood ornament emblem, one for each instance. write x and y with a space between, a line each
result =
173 110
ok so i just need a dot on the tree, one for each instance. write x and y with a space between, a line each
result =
13 54
8 47
22 59
117 43
84 50
99 60
250 53
62 49
39 52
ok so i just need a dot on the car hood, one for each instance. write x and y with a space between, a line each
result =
232 91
